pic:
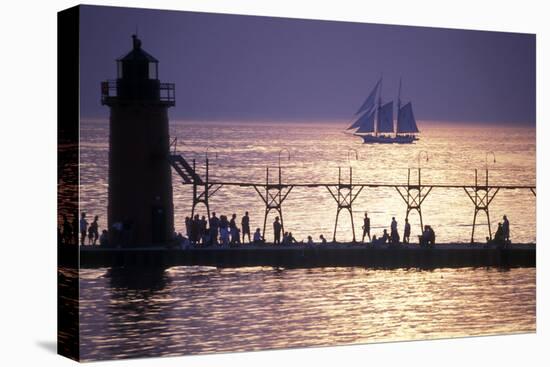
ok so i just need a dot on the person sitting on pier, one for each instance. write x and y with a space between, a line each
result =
366 227
277 231
324 240
499 238
310 241
214 227
407 231
285 240
245 225
104 238
258 237
291 239
428 237
425 236
431 238
183 242
385 237
506 229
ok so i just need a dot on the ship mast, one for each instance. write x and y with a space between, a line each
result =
398 108
379 107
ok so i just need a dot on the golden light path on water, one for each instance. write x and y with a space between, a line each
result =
240 152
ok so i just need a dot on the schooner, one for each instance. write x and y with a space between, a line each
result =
375 124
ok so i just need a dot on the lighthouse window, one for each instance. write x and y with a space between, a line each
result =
119 70
153 70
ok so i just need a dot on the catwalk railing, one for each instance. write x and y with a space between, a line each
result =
345 191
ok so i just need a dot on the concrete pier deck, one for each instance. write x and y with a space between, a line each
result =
302 256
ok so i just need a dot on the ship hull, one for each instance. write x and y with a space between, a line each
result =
384 139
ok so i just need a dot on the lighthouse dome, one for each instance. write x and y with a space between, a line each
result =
137 64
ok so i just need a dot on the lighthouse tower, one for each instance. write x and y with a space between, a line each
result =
140 208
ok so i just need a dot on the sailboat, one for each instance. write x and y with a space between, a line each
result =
375 124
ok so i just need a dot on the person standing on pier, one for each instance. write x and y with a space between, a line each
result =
67 231
277 231
506 228
214 226
393 233
224 230
203 230
94 230
245 225
366 227
407 231
258 239
75 226
83 228
233 229
195 226
188 227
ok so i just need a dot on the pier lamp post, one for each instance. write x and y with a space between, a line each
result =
351 150
280 151
207 162
206 154
419 159
487 165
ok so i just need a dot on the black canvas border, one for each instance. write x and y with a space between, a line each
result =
68 120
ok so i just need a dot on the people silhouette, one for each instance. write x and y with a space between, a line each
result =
366 227
277 231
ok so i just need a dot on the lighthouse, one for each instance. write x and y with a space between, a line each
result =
140 206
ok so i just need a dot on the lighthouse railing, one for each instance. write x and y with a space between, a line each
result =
109 88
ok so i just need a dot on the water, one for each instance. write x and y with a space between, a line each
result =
189 310
316 151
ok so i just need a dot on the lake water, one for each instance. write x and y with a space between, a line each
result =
189 310
244 150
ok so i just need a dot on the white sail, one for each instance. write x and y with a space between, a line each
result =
405 120
366 123
369 102
385 118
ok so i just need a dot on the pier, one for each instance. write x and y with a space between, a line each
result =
303 256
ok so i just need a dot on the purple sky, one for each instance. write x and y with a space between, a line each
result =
229 67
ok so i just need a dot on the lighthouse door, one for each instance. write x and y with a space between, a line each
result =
158 222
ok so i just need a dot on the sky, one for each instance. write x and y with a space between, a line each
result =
233 67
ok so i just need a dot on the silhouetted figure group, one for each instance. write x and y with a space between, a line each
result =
428 237
222 231
79 230
502 235
392 238
217 231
